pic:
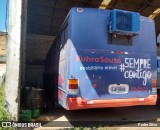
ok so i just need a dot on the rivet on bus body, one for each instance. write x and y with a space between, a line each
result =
142 19
79 9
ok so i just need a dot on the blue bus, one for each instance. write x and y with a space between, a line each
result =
158 72
158 81
102 58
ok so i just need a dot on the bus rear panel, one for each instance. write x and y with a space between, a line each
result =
98 69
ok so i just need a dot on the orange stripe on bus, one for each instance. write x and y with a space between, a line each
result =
79 103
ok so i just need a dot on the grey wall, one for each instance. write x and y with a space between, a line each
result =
36 49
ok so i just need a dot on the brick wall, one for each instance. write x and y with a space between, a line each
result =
3 42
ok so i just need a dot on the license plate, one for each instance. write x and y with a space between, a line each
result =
118 89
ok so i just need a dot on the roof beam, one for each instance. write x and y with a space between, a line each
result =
155 13
144 5
108 4
104 4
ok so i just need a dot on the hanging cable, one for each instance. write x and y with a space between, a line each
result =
7 3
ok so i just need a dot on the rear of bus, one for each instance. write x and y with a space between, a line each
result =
107 69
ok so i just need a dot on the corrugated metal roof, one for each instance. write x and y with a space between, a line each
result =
46 16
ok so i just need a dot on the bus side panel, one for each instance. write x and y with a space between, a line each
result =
50 75
158 72
62 77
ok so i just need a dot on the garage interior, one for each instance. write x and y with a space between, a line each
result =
45 17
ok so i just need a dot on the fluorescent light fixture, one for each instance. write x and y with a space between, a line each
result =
104 4
155 13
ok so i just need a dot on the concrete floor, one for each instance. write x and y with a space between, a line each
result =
121 118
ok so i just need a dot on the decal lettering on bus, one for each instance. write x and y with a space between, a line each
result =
139 88
101 59
142 67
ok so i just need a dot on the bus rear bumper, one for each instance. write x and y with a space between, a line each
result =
79 103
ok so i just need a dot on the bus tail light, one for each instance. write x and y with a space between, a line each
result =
73 86
154 85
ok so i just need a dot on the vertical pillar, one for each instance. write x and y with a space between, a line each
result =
13 58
